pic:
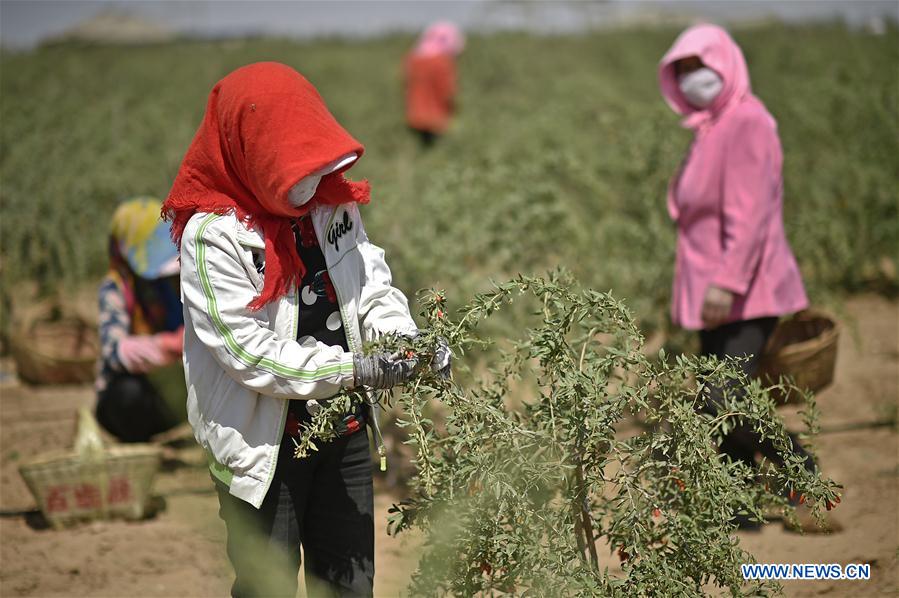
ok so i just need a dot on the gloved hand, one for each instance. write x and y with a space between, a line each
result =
382 370
442 362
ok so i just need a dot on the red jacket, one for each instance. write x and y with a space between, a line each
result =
430 92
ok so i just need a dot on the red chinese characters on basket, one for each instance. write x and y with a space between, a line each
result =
87 496
56 499
119 491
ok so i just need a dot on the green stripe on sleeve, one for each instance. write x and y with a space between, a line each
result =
240 352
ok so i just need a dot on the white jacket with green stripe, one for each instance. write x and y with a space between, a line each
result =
242 366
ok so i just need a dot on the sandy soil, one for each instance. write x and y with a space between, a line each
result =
179 552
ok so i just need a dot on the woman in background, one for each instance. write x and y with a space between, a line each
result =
735 274
141 325
430 72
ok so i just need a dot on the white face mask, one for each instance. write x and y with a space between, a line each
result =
303 191
700 87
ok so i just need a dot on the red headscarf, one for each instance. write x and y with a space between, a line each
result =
264 130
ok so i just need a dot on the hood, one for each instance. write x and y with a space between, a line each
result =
719 52
442 38
265 129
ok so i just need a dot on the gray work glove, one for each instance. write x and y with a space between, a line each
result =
382 370
442 362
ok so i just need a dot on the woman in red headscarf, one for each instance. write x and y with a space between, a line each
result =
281 288
430 71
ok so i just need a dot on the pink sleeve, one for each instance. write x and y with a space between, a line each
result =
673 210
748 202
143 353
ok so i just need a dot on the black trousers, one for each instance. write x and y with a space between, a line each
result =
131 409
425 138
738 339
323 502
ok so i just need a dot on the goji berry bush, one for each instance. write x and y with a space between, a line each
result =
605 450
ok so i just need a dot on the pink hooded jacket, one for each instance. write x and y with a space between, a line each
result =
727 198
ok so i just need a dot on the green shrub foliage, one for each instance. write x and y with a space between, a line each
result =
522 497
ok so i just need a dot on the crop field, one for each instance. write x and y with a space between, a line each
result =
559 157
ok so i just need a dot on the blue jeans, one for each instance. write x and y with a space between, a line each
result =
323 502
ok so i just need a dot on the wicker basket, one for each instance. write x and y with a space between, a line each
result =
804 349
56 352
92 481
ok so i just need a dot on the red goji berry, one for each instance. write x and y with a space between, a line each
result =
656 513
836 499
792 495
829 505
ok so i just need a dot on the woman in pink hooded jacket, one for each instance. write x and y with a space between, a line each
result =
735 273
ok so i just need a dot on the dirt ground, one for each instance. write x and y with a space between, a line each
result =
180 551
